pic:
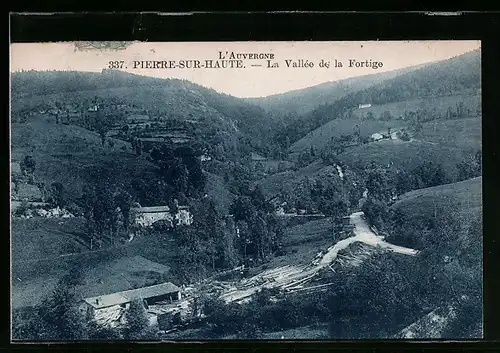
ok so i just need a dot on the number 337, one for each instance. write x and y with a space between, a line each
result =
116 64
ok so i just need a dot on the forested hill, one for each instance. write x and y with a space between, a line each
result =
176 98
444 78
303 101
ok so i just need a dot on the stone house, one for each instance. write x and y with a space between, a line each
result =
147 216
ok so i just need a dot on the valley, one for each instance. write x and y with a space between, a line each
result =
352 209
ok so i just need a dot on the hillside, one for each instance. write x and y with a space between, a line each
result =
303 101
458 76
437 107
169 98
464 197
403 155
68 153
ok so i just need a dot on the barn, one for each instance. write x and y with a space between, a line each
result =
109 308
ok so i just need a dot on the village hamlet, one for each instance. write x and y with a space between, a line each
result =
289 202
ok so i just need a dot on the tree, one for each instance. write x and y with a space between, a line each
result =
431 174
28 165
137 321
58 195
242 208
386 115
469 167
377 183
178 176
59 315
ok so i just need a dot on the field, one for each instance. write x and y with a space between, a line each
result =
335 128
320 137
308 232
464 197
65 153
38 238
441 104
461 133
405 155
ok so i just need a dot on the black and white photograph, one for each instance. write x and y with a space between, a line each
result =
266 190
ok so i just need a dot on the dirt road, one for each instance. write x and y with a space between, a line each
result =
295 276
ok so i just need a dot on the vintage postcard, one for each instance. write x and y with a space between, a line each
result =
246 190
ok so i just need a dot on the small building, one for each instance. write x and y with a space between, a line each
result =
362 106
205 158
147 216
109 309
376 136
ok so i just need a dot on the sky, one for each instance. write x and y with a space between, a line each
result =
248 80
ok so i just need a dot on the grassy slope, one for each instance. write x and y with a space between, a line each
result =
461 133
322 135
63 153
445 142
39 238
407 155
471 99
464 197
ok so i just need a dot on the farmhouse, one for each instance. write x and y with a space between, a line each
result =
109 309
147 216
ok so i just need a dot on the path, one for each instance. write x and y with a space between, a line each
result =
288 277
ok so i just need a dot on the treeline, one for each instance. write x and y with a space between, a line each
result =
249 235
36 83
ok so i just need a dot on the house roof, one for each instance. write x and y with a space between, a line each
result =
153 209
124 297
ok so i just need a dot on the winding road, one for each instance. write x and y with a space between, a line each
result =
298 275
